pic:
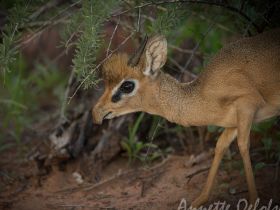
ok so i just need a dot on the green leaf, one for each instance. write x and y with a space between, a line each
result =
93 14
168 19
151 145
5 147
138 147
212 128
137 124
126 147
259 165
263 127
267 142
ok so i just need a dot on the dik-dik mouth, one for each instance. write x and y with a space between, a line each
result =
106 115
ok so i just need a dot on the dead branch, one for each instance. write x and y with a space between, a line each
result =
113 34
72 205
62 116
158 165
198 44
152 139
187 51
219 25
43 8
194 160
149 181
199 171
217 4
182 69
51 22
120 174
277 170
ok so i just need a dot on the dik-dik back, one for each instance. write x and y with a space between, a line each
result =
246 68
257 58
240 85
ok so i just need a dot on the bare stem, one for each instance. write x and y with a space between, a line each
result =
217 4
66 93
197 45
113 34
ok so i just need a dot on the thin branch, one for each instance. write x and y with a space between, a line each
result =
41 23
142 16
62 116
152 138
51 22
181 68
139 19
217 4
262 15
277 169
119 174
113 34
219 25
187 51
24 43
197 45
73 206
68 43
199 171
43 8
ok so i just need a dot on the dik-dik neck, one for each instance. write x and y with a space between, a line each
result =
175 101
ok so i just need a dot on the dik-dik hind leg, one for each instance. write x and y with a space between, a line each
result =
222 145
245 119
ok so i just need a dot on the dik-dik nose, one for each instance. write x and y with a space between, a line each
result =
101 112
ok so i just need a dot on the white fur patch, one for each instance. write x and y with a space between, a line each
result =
136 83
115 89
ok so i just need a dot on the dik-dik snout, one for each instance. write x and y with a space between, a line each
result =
101 110
127 80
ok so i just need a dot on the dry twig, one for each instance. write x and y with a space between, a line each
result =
197 45
43 8
217 4
199 171
115 176
113 34
182 69
50 22
187 51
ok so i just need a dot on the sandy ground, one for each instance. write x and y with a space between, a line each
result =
161 186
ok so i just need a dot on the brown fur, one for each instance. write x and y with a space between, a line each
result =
241 85
115 70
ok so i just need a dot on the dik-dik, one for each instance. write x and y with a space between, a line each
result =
240 86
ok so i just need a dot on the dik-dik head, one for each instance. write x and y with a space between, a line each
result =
129 81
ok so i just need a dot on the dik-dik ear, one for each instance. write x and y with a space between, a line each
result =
156 54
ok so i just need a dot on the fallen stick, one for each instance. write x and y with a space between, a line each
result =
119 174
116 176
201 170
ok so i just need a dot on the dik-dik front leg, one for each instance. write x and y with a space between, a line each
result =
245 116
222 145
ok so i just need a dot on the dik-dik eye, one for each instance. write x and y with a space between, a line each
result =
127 87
